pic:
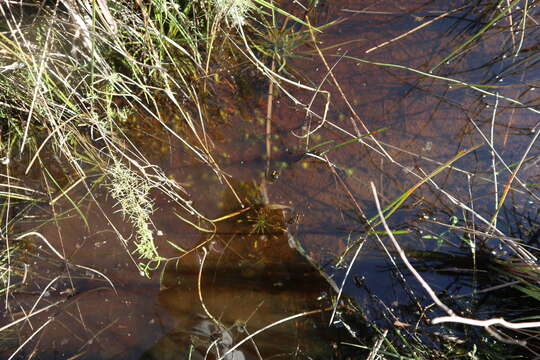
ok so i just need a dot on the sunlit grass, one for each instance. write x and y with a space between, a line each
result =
74 79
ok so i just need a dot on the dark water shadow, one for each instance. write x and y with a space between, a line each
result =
251 277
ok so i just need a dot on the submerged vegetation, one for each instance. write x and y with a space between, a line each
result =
107 108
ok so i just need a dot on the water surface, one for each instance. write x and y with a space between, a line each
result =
252 275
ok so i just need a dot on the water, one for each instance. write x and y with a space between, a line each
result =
253 275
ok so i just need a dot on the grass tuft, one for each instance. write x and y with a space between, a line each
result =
235 11
132 193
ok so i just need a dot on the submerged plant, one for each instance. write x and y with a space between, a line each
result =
266 221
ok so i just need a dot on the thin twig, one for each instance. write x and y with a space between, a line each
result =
353 260
401 253
452 317
375 350
24 318
492 146
269 104
523 24
485 323
247 338
199 289
30 338
415 29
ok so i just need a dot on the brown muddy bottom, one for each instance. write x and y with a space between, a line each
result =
290 251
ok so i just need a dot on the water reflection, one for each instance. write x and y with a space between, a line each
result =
252 276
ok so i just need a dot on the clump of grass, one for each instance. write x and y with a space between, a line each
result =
72 74
132 192
265 220
235 11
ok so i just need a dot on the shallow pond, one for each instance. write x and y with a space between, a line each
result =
300 213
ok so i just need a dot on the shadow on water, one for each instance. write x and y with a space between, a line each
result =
236 281
252 277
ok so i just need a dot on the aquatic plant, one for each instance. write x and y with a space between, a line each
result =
84 84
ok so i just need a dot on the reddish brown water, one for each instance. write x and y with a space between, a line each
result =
252 279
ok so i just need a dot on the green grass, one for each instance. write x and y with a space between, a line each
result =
72 78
